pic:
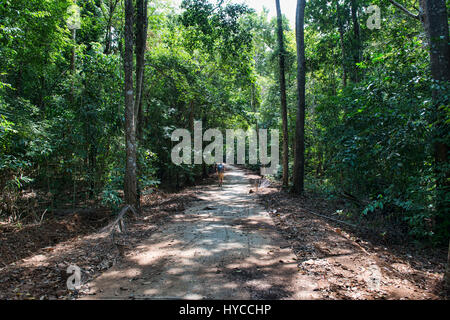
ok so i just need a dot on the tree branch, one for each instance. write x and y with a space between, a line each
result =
110 227
409 13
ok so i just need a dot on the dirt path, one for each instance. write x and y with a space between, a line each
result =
218 243
225 246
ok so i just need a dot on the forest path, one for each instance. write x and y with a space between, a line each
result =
224 246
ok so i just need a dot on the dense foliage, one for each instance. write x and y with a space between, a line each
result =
369 125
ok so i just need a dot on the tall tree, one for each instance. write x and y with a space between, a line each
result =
141 42
283 95
436 24
130 184
433 15
299 160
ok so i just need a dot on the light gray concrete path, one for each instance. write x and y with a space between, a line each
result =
223 247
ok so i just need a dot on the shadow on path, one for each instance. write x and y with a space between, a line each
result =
223 247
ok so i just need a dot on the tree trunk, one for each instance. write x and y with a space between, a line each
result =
341 39
140 116
72 65
299 161
255 109
436 24
283 96
447 271
141 42
130 187
108 40
139 137
191 116
355 77
72 57
108 36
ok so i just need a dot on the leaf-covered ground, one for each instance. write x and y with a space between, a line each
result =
34 258
343 262
353 262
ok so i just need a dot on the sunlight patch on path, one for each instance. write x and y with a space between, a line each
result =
223 247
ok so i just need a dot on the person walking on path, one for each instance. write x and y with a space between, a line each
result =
220 173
